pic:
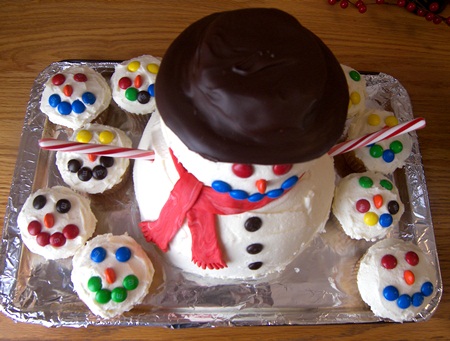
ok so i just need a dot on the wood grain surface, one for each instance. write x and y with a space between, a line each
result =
34 34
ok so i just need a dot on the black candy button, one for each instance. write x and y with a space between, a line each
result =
393 207
85 174
253 224
106 161
99 172
255 265
253 249
39 202
63 206
73 166
143 97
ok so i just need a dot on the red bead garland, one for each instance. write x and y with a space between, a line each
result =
429 9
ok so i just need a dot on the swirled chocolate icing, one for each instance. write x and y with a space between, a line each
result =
252 86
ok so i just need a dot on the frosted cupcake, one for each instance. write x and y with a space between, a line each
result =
76 96
132 85
384 156
94 174
55 222
367 205
356 90
396 279
111 274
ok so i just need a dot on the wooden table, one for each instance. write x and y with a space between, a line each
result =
34 34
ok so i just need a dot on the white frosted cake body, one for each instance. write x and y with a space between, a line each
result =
286 225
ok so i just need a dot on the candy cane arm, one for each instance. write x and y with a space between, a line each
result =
96 149
383 134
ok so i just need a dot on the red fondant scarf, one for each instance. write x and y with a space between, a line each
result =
191 200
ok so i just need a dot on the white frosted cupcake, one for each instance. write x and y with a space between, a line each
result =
367 205
132 84
384 156
55 222
356 89
396 279
94 174
75 96
111 274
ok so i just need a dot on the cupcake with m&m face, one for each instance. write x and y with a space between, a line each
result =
76 96
384 156
132 85
111 274
55 222
396 279
367 205
90 173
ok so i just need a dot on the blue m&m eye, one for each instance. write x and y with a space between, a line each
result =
123 254
98 254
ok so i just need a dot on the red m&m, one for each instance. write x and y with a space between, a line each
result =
412 258
362 205
124 83
389 262
80 77
58 79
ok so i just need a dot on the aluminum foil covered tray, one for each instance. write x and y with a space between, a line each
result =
319 287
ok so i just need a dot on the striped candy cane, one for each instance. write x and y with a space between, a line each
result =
130 153
96 149
383 134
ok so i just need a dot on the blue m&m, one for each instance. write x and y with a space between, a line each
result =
123 254
98 254
88 98
78 107
54 100
64 108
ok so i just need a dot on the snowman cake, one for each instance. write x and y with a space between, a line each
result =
55 222
241 181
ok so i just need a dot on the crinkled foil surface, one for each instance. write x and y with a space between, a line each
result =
319 287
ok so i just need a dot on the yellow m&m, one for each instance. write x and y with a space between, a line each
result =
153 68
373 119
370 218
133 66
106 137
391 121
83 136
355 97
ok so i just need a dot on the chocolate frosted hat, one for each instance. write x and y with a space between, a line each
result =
252 86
